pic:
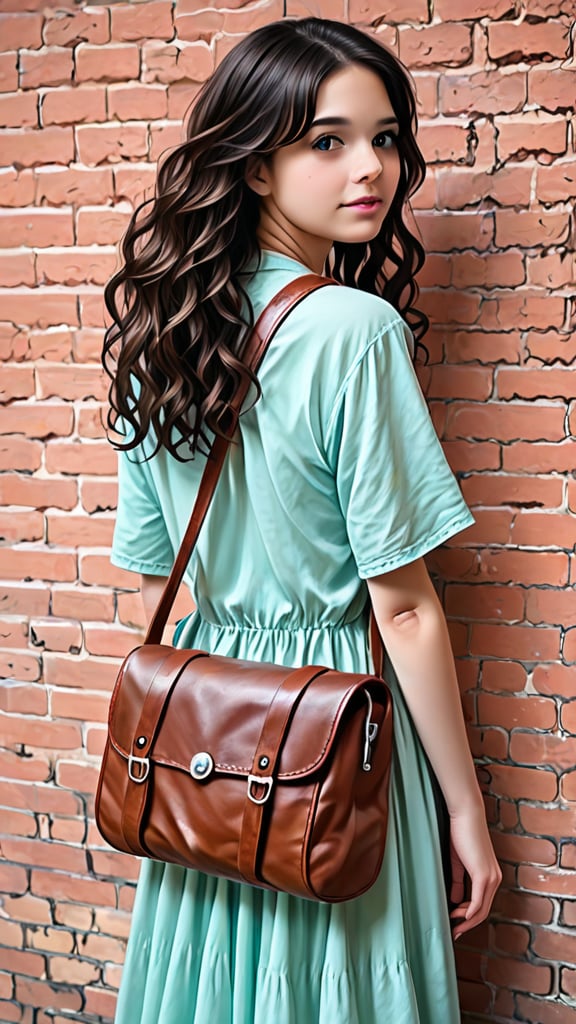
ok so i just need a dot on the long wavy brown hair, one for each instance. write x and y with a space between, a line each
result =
180 314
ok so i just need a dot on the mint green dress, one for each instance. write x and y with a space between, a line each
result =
337 476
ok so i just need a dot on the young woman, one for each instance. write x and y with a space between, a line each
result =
300 155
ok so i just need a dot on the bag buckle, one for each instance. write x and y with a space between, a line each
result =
267 781
143 769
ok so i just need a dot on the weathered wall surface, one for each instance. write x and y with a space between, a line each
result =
90 96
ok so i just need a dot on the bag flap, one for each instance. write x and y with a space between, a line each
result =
219 706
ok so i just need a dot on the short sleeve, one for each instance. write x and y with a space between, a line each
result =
396 490
141 542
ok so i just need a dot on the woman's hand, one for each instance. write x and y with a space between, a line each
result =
473 859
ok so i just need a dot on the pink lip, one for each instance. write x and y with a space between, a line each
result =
366 201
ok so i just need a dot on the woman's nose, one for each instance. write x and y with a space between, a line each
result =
367 165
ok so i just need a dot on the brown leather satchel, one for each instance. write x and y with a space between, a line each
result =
256 772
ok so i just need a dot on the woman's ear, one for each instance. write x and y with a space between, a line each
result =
257 176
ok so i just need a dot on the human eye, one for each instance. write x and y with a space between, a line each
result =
326 143
385 140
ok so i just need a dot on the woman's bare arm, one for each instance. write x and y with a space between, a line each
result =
415 634
151 588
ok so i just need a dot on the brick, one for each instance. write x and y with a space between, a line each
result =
16 268
530 230
99 570
520 492
134 182
541 458
170 63
8 71
23 962
38 420
483 92
92 309
534 41
51 145
36 563
518 975
154 21
532 132
90 674
23 700
524 643
80 530
508 186
67 28
72 266
468 10
110 642
39 307
17 382
17 186
464 456
473 383
550 881
45 67
550 530
38 228
43 993
14 880
87 347
533 383
557 183
80 777
39 799
19 666
56 634
482 346
450 307
503 676
74 106
99 496
75 457
162 138
91 707
73 185
555 679
448 45
96 225
19 110
137 102
99 1001
552 91
521 712
505 421
522 308
446 232
28 908
552 270
100 143
39 733
91 419
21 31
36 853
30 599
20 453
71 382
76 890
114 63
518 783
444 143
52 940
521 906
568 786
73 970
511 938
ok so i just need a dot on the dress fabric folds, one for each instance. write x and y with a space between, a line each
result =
336 476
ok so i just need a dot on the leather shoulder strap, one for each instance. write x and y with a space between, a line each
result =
265 328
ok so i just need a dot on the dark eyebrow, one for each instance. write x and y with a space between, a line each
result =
344 121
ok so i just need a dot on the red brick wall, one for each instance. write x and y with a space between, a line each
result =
90 96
